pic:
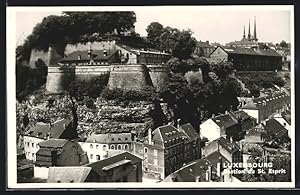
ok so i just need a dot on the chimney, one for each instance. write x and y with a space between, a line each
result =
90 52
209 173
178 123
79 57
149 136
207 42
226 112
197 178
219 167
231 140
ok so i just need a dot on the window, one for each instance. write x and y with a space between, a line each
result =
91 156
126 138
104 147
119 139
112 139
126 146
32 154
97 157
155 152
119 147
91 146
97 146
32 144
145 150
112 147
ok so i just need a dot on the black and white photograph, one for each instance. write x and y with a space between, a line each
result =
150 96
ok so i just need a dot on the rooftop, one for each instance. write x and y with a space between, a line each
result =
189 131
53 143
97 55
109 138
248 51
101 166
224 120
55 130
68 174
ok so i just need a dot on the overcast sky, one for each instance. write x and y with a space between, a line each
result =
216 24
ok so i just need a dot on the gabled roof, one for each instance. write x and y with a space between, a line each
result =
204 44
248 51
189 130
99 165
53 143
239 114
56 130
231 147
68 174
215 158
224 120
191 171
166 133
274 130
98 55
109 138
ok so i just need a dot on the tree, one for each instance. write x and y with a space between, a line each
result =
154 30
176 65
222 68
283 44
185 45
180 43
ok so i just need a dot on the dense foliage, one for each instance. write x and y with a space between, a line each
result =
29 79
148 93
92 88
179 42
74 27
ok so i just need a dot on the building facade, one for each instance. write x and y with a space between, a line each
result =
61 129
248 59
97 146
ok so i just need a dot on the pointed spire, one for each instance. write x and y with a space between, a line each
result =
254 33
249 32
244 35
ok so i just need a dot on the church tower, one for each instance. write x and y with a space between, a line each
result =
254 33
244 35
249 32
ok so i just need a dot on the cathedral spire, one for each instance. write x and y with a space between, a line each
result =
249 32
254 33
244 35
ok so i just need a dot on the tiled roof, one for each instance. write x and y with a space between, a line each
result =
98 55
255 131
247 51
53 143
98 166
167 132
204 44
109 138
239 114
189 131
247 147
274 130
224 120
215 158
231 147
68 174
190 172
56 130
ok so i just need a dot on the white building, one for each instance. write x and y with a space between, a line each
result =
98 146
61 129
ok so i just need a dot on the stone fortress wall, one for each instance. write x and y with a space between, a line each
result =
125 76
